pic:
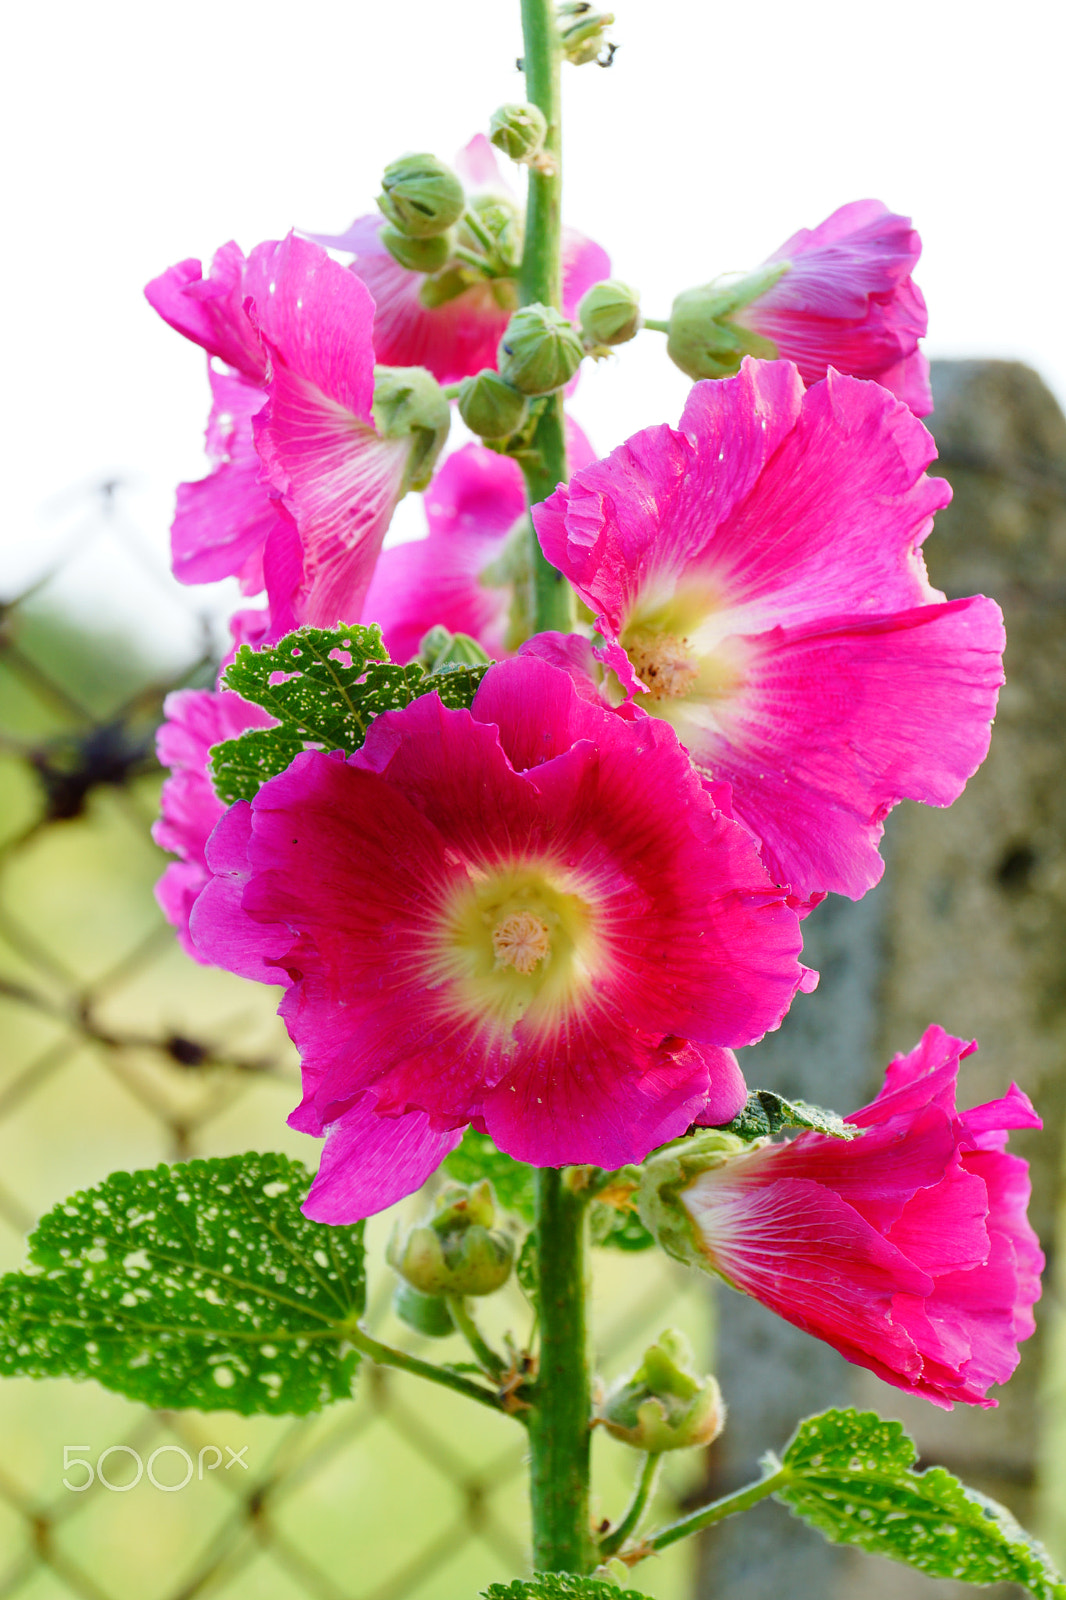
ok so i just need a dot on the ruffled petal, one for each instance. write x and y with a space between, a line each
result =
370 1162
212 311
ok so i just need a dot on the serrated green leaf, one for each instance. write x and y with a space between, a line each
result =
765 1113
615 1228
558 1586
477 1157
200 1284
325 686
850 1474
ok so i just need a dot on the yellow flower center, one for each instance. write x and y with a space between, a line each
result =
522 941
664 663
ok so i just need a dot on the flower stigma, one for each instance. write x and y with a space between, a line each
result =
521 940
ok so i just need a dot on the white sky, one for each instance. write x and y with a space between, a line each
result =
138 134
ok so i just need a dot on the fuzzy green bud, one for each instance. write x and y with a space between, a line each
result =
458 1252
705 340
439 649
540 351
582 32
519 130
421 196
609 313
417 255
408 401
664 1177
427 1314
490 407
665 1404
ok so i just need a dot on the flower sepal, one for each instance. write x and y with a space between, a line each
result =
665 1177
664 1404
421 196
540 350
440 649
703 340
409 402
458 1252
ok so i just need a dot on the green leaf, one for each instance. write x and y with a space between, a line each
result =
615 1228
850 1474
200 1284
325 686
558 1586
477 1157
766 1113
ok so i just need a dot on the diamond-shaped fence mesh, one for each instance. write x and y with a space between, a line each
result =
118 1052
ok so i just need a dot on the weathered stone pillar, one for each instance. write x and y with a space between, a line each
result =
967 929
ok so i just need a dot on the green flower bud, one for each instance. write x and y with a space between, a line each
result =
518 130
421 196
609 313
664 1178
417 255
457 1252
447 285
427 1314
439 649
665 1404
490 407
540 351
704 339
581 32
408 401
492 226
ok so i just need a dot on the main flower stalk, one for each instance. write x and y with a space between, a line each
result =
540 282
559 1425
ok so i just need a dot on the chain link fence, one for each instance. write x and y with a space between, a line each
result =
118 1051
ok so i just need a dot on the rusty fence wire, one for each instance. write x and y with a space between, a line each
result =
116 1050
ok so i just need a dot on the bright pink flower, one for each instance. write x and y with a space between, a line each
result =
761 568
291 430
529 917
464 574
458 338
848 301
196 719
909 1249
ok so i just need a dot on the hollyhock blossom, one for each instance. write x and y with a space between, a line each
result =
465 573
459 337
196 719
304 483
908 1249
757 576
529 917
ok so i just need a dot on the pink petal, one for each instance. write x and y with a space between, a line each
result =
212 311
370 1162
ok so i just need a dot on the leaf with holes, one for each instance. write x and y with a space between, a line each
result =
476 1157
558 1586
766 1113
200 1284
325 686
850 1474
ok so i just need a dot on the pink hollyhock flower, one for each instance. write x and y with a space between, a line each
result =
299 463
848 301
908 1249
465 574
757 577
528 916
458 338
196 719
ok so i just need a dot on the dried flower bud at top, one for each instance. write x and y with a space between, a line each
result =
421 196
417 255
609 313
540 351
665 1404
703 340
490 407
518 130
408 401
455 1253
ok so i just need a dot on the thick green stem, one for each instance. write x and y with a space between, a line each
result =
706 1516
559 1428
613 1541
540 281
386 1356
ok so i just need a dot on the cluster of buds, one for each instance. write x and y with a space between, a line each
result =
421 199
458 1252
664 1404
